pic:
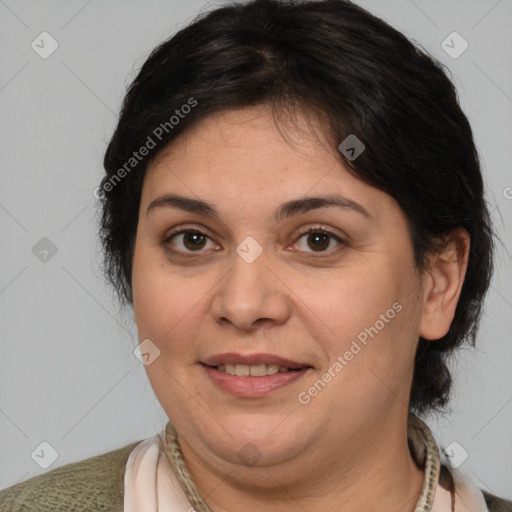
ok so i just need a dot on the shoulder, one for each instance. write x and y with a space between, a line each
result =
495 504
96 483
466 488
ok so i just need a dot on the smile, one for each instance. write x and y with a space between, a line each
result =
258 370
252 381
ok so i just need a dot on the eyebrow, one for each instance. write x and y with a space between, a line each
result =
288 209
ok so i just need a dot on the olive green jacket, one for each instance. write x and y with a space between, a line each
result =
96 484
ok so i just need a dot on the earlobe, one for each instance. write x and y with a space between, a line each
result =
443 283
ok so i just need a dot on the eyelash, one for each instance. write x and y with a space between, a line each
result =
319 229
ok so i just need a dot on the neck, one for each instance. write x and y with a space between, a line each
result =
374 467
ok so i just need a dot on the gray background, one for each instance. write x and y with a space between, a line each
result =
68 375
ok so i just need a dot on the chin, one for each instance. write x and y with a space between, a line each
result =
257 439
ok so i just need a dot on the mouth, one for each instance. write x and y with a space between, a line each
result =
257 370
252 375
254 365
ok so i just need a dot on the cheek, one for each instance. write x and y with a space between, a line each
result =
166 304
356 300
152 295
373 319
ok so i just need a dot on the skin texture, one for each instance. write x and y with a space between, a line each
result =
347 447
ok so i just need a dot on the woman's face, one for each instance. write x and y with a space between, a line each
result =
340 313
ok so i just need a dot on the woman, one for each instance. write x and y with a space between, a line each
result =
293 205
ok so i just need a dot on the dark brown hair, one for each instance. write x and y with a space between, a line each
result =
358 75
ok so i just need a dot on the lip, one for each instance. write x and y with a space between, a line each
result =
253 359
253 387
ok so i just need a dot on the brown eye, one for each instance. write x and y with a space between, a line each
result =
319 239
191 239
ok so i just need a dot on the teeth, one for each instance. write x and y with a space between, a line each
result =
258 370
272 369
242 370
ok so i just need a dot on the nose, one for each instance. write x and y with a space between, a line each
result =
250 295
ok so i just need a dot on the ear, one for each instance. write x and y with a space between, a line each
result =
442 284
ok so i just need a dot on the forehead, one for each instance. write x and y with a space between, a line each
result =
251 131
244 144
242 158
